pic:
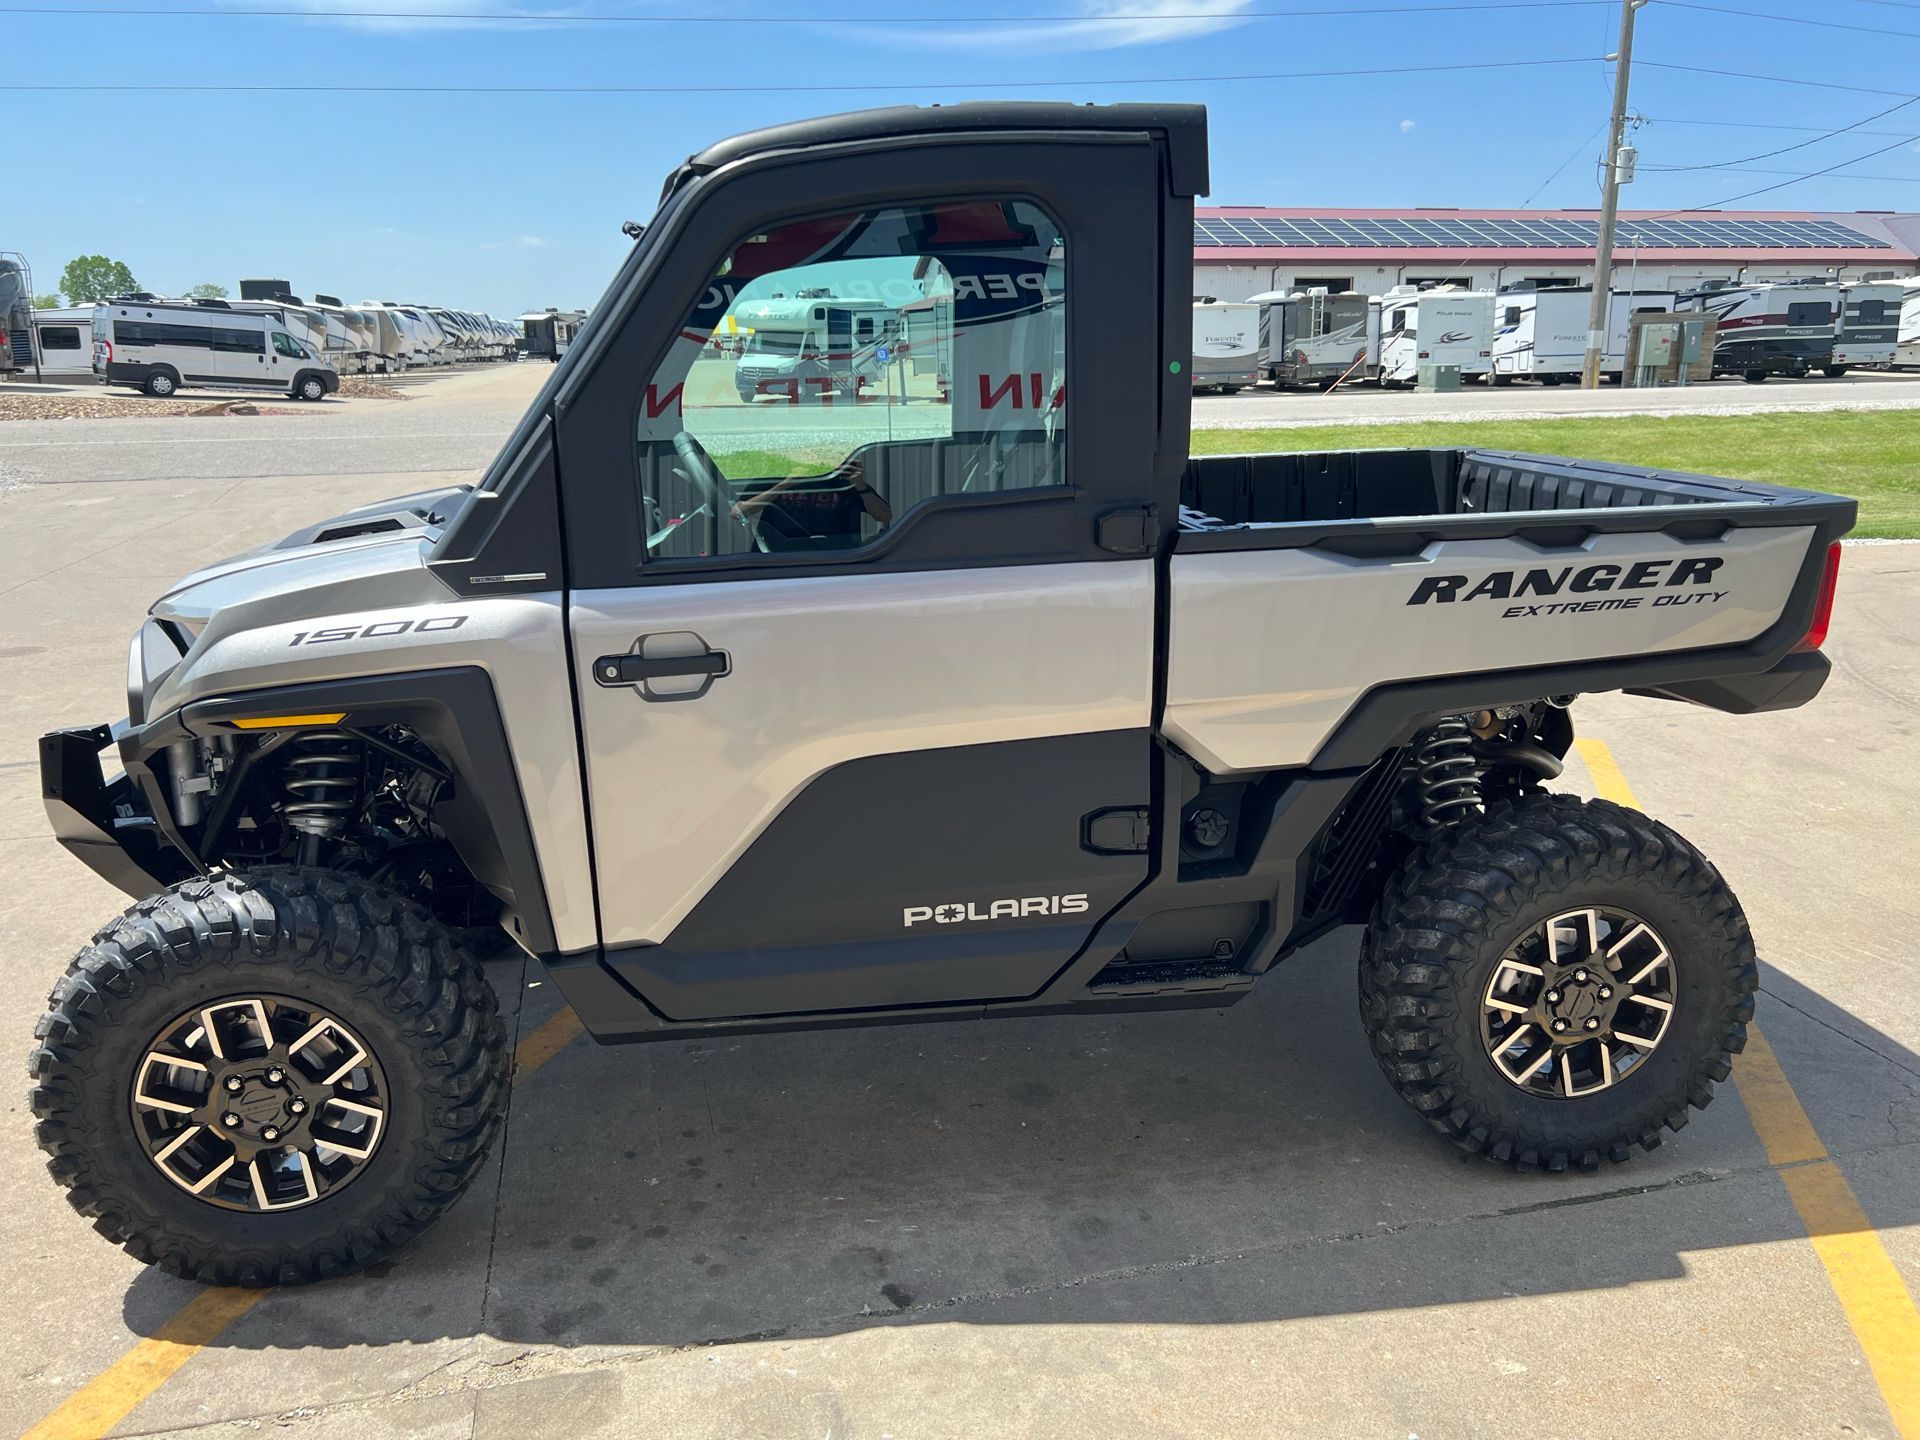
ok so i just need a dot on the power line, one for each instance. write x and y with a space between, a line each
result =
704 89
1748 124
1788 149
1775 79
1769 189
1788 19
1563 164
498 18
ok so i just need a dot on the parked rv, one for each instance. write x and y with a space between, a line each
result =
1316 338
1226 346
1767 330
1906 348
1868 327
1541 333
62 343
1444 325
546 334
159 346
812 347
16 308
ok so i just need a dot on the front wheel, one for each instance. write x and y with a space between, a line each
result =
1834 372
1555 982
310 387
269 1078
1757 377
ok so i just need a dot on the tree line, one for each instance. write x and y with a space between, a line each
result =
96 277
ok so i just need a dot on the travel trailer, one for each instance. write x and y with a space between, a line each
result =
62 343
1767 330
160 346
1541 334
546 334
813 346
1226 346
1868 328
1317 338
1444 325
1906 348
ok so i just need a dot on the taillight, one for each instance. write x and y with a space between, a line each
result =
1823 608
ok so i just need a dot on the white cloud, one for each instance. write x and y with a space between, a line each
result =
1098 27
1406 127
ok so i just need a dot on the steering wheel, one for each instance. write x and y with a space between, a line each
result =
697 465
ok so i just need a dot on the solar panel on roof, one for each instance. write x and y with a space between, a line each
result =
1527 233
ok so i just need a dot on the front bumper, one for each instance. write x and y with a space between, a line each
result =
105 823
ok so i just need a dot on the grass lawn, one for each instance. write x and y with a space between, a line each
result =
1872 455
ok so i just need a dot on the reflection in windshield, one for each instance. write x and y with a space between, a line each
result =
775 342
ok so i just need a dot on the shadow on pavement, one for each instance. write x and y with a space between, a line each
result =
711 1191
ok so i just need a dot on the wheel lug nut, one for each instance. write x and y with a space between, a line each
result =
1560 1024
233 1082
1553 997
272 1132
1581 976
276 1075
1593 1024
230 1120
1606 992
298 1107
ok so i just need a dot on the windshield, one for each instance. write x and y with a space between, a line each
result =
777 342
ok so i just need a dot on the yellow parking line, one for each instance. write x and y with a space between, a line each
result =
110 1396
1864 1279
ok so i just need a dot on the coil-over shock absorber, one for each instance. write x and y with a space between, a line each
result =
1446 774
322 788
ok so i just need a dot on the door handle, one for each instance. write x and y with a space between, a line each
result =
632 669
640 670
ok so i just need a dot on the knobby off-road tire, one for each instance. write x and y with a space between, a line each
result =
379 963
1451 914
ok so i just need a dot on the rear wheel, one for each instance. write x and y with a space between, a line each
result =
1755 377
268 1078
1834 372
1557 982
160 385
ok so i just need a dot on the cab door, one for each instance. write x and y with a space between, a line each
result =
866 687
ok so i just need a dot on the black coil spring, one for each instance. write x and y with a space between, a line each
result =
322 782
1447 774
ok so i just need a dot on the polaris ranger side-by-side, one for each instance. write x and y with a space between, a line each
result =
749 716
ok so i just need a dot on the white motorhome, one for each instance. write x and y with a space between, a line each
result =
1314 337
62 343
159 346
1226 346
1541 333
1444 325
809 347
1868 329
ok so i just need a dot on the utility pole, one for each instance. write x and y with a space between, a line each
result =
1609 205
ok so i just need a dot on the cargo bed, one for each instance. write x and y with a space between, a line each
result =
1321 605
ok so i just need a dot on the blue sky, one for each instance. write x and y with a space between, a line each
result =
504 202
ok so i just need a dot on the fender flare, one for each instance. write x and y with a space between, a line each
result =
455 713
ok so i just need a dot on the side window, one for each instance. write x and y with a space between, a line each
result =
59 337
1399 322
239 342
284 344
840 372
1512 315
1810 312
1873 312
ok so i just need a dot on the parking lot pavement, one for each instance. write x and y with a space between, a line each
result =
1178 1224
1370 405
